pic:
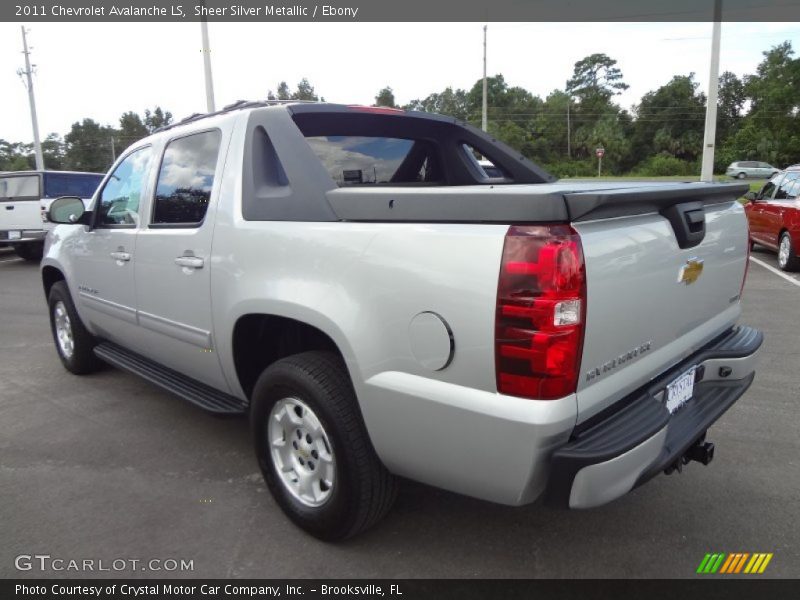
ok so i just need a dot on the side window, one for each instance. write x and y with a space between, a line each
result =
118 204
788 188
20 186
186 178
769 188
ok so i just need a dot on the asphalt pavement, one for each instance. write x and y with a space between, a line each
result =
108 467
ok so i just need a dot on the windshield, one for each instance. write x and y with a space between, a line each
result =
82 185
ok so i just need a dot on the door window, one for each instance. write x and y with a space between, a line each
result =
186 178
118 205
788 188
769 188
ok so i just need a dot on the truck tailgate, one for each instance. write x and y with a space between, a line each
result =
20 214
650 302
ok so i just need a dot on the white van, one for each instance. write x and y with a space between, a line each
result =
26 195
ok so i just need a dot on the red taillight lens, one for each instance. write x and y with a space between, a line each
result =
746 264
541 299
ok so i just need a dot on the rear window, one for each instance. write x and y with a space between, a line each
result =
70 184
19 186
360 160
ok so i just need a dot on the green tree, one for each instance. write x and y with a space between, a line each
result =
385 97
88 146
157 118
596 75
731 99
305 91
53 152
770 131
132 128
14 156
595 120
449 102
283 92
670 120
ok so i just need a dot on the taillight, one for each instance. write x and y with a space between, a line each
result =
541 301
746 263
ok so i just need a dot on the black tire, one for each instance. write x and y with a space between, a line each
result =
741 176
30 250
363 490
82 359
792 262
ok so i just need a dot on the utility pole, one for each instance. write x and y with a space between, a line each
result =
113 151
484 117
707 170
28 72
207 65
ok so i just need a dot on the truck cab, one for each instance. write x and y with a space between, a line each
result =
25 197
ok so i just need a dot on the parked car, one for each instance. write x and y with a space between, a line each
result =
25 196
751 168
351 280
773 214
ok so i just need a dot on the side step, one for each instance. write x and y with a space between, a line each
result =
187 388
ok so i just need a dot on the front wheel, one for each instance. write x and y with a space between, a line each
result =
313 448
787 257
741 176
74 344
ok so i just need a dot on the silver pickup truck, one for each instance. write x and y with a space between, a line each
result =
352 280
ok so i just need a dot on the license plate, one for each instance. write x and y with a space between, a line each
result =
680 390
14 235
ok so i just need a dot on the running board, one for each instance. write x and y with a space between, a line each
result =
187 388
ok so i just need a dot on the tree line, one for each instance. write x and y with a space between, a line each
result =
661 135
89 146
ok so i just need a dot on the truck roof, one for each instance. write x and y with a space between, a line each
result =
305 106
37 171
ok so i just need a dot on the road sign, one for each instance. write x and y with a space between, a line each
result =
600 151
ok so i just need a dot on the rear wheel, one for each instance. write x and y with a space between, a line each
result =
29 250
74 344
313 448
787 257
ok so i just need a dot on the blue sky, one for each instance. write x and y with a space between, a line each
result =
100 70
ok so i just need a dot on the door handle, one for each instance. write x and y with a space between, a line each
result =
119 255
190 262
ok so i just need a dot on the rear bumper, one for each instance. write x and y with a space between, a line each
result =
25 235
612 453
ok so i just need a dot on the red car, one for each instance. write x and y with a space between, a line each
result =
774 216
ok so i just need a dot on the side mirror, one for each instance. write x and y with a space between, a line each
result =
66 210
751 196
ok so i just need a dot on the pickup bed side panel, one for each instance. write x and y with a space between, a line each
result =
363 284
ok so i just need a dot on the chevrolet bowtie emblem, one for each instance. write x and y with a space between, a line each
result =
691 271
